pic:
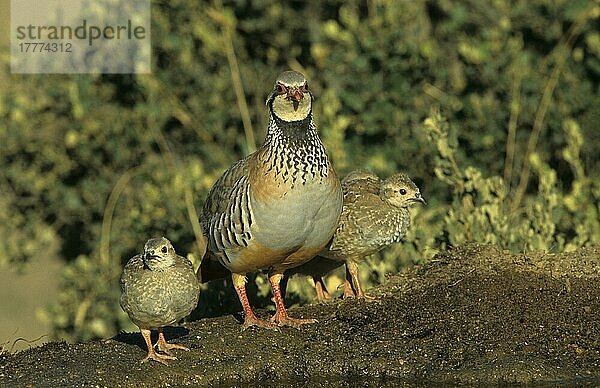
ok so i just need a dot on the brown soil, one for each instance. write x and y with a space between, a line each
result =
472 315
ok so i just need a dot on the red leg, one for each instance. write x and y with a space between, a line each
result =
239 283
281 317
152 355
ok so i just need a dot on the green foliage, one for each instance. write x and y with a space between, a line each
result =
93 165
482 209
87 304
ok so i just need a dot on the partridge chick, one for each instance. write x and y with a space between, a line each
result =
158 288
375 214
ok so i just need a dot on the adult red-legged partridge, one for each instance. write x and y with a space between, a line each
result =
158 288
276 208
375 214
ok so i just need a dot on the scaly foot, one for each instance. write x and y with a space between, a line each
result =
359 294
285 320
239 282
162 358
366 297
348 291
152 355
165 347
323 295
250 321
281 318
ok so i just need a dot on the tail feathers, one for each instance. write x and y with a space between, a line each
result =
211 269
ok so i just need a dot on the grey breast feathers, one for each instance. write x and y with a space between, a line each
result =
160 297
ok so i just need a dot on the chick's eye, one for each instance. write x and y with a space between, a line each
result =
403 191
280 89
163 249
305 87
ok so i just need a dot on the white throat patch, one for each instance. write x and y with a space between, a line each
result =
284 109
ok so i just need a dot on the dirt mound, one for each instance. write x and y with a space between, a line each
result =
474 314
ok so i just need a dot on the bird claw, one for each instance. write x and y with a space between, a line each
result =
166 347
361 297
293 322
162 358
367 298
348 291
253 321
359 293
323 296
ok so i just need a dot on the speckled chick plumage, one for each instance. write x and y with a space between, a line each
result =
158 288
375 214
278 207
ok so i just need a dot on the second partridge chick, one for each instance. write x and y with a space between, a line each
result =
158 288
375 214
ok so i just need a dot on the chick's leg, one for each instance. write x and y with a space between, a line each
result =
348 291
352 272
152 355
322 293
164 346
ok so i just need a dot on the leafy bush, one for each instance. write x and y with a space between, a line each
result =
93 165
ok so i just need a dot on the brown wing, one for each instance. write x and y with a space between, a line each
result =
360 182
133 266
367 225
358 212
226 214
360 188
217 199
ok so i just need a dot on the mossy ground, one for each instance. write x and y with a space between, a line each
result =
473 315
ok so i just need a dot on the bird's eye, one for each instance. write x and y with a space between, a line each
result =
403 191
164 249
280 89
305 87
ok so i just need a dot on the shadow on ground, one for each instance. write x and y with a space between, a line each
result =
472 315
171 334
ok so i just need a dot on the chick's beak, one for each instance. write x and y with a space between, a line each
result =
149 255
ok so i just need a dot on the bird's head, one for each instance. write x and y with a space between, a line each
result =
400 191
158 254
290 99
